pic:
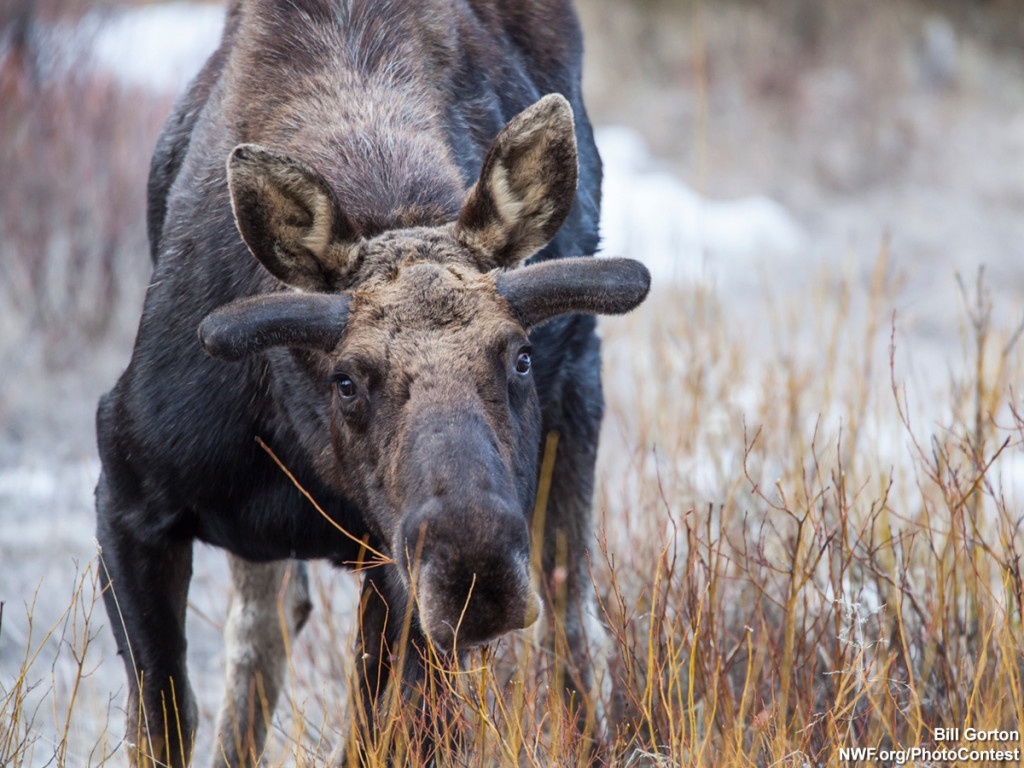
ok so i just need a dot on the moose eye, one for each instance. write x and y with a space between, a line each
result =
346 387
523 363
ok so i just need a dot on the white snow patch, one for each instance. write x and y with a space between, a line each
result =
1011 478
160 47
35 483
652 216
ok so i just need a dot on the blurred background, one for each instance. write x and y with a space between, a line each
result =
785 156
813 131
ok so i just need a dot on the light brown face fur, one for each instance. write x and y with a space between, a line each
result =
424 333
435 425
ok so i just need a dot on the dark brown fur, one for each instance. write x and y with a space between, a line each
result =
383 164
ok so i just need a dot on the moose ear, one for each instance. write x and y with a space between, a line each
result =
587 284
526 187
289 217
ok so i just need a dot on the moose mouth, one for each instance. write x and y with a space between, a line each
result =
488 606
467 572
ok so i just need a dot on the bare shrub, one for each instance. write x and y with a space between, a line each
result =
74 152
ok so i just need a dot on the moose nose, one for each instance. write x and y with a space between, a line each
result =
469 572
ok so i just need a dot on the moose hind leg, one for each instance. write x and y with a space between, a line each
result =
269 605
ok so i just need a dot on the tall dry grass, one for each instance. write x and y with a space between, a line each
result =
840 565
800 551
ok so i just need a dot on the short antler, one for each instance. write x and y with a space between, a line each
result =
247 326
599 286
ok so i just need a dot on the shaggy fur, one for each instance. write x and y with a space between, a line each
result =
333 205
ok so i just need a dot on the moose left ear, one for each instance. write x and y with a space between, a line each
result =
289 217
526 187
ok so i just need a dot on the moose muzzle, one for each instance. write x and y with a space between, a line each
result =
463 546
468 570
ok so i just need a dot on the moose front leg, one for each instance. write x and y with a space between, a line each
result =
392 680
145 588
574 632
269 605
378 637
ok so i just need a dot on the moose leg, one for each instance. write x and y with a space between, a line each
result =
575 634
145 587
376 652
375 649
269 605
383 628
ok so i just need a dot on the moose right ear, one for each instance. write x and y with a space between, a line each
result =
289 217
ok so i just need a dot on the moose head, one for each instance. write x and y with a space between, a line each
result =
416 349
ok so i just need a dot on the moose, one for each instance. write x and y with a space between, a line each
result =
372 226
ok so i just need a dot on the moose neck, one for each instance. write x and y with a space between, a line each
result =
366 111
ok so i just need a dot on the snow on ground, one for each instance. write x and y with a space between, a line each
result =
681 236
159 46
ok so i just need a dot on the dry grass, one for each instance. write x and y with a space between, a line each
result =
38 730
855 578
799 553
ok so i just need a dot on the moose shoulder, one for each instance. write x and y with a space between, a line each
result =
343 204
